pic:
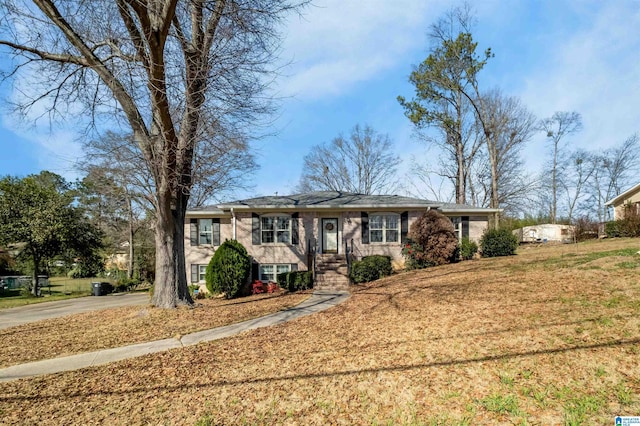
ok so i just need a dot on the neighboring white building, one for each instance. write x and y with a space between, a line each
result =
547 232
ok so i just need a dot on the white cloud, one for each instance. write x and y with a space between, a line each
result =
594 71
337 44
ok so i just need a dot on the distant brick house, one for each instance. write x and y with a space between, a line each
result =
629 199
296 232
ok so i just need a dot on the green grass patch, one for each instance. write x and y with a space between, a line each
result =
627 265
572 260
60 288
501 404
577 409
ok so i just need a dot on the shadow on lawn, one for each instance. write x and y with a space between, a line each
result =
324 374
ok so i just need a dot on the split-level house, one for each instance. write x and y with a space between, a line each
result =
320 231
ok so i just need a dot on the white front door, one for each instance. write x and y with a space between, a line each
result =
329 235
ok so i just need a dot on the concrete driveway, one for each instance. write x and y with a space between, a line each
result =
39 311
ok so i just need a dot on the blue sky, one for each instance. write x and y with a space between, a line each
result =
351 59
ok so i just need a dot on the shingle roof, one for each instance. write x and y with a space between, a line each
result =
334 200
329 199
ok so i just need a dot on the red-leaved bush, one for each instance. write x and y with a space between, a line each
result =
434 233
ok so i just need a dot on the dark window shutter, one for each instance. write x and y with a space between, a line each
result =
193 232
465 226
194 273
215 228
364 218
255 270
255 229
294 267
404 227
295 239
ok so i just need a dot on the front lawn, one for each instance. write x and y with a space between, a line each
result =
550 336
60 288
110 328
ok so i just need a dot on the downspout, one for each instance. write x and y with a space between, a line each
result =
233 223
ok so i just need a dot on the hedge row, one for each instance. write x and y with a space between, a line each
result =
295 280
371 268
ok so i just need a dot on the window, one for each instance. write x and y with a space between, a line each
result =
384 228
205 232
197 273
457 226
271 272
275 229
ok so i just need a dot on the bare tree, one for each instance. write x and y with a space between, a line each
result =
560 125
580 169
363 163
506 125
614 171
440 101
165 69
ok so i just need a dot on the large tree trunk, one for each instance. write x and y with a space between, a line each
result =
184 297
170 288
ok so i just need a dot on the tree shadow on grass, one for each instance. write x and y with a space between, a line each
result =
324 374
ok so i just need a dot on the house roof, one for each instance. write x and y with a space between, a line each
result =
329 199
622 196
321 200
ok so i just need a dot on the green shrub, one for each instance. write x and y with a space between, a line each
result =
228 269
126 284
371 268
498 242
468 249
612 229
295 280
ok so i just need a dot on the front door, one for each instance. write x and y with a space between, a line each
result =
330 235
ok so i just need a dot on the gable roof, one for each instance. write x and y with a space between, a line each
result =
321 200
622 196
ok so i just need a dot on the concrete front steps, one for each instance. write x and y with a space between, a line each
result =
331 273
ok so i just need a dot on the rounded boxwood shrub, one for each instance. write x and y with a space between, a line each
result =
371 268
228 269
468 249
498 242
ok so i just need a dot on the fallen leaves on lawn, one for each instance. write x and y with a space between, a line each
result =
524 339
111 328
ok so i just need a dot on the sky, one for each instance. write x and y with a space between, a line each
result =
349 60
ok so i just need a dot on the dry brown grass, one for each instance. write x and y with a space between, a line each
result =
551 336
111 328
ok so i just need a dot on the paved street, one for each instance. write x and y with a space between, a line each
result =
39 311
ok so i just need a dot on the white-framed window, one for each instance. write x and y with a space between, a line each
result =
270 272
197 273
384 228
275 229
457 226
205 231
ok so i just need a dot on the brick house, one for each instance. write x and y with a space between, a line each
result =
296 232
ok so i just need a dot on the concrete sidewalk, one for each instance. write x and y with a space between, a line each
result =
319 301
